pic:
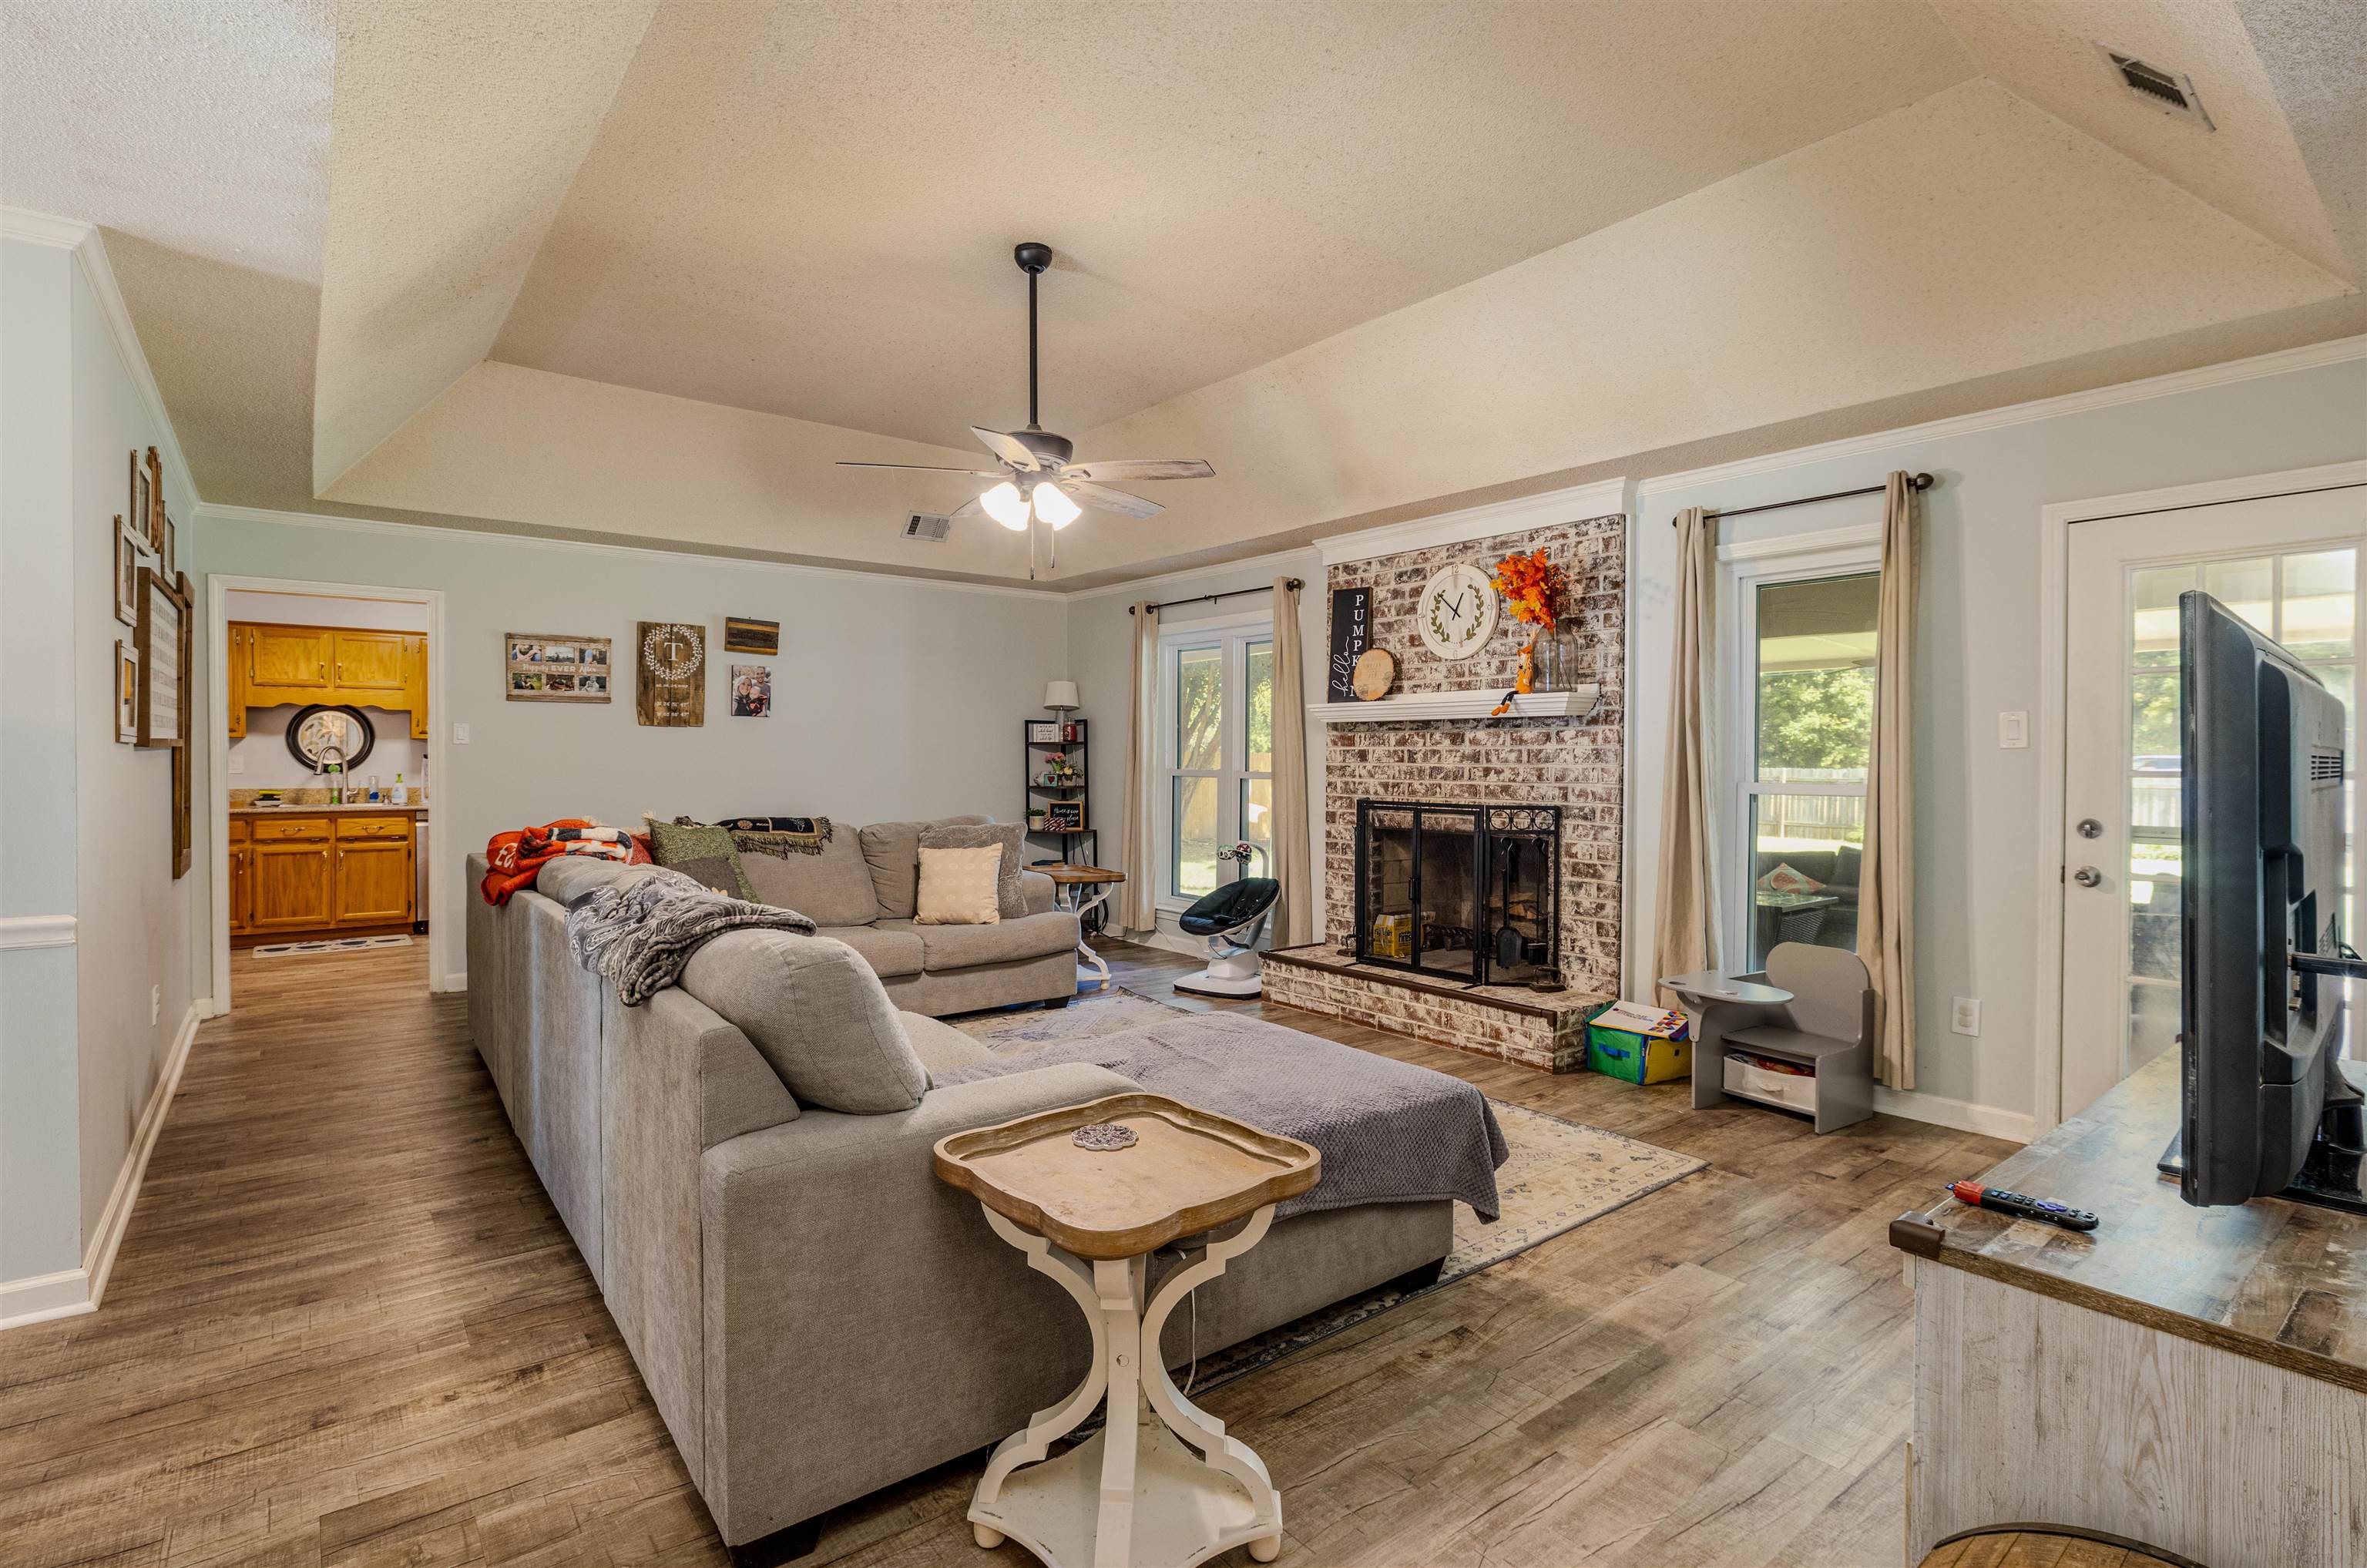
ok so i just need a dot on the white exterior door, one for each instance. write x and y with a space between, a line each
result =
2291 565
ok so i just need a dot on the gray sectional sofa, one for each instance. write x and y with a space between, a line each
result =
814 1313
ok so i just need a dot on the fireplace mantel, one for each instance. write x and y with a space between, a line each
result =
1575 703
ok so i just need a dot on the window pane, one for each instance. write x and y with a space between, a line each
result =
1257 824
1199 707
2153 724
1816 679
2157 878
1806 851
1193 832
2153 607
2321 598
2153 1025
1258 728
2247 588
2343 681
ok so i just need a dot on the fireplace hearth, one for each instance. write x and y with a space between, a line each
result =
1468 893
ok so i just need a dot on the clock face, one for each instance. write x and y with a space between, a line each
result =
1458 612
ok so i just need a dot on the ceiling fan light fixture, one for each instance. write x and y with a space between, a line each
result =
1053 505
1006 505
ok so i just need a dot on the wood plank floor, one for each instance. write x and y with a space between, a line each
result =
346 1328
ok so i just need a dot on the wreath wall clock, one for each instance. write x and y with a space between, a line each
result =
669 659
1456 613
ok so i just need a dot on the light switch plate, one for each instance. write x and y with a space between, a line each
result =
1964 1016
2013 730
237 764
459 734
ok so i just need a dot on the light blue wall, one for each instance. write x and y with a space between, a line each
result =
892 698
1977 806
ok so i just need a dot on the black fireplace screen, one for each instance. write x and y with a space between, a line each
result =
1468 891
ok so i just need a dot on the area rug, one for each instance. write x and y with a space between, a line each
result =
329 945
1560 1175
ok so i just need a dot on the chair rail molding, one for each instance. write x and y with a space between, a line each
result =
36 931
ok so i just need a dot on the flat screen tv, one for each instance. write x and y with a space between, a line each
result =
2269 1105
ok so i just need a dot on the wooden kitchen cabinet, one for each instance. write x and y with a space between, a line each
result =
374 662
234 700
272 665
320 875
293 659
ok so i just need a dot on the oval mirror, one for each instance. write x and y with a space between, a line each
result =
320 733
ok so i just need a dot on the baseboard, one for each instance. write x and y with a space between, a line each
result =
98 1258
2018 1127
457 980
44 1296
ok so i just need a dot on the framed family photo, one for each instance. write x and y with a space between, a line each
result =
545 668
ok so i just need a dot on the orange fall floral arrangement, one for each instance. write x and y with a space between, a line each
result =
1532 587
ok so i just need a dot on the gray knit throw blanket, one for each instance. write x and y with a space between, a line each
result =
638 935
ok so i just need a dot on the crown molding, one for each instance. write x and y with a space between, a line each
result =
2307 356
1604 498
417 532
89 250
1274 561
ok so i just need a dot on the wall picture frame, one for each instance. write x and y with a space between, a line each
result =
126 573
160 640
743 635
1064 816
540 667
154 520
126 694
169 558
136 510
1043 732
752 691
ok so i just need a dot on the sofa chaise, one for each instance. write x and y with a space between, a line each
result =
815 1314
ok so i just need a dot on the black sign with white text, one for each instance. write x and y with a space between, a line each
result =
1352 634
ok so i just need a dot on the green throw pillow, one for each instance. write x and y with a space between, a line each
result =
704 854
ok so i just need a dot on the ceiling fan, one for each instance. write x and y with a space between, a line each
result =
1037 482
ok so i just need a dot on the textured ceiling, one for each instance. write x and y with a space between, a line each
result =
644 268
809 210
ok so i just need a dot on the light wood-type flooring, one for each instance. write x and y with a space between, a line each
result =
346 1328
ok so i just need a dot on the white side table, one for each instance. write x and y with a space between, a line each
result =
1161 1485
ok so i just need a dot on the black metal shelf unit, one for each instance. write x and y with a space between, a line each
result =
1033 756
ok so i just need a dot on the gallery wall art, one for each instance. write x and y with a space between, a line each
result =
670 674
741 635
752 691
540 667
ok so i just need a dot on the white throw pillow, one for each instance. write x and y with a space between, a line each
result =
959 887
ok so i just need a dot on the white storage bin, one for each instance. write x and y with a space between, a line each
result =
1791 1090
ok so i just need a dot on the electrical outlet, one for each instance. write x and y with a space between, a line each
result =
459 734
156 1004
237 763
2013 732
1965 1017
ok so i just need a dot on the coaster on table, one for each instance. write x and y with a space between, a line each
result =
1102 1137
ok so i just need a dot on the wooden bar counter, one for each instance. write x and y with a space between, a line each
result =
2189 1380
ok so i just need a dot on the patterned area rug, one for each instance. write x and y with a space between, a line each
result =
329 945
1560 1175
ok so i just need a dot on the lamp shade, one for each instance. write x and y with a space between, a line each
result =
1060 695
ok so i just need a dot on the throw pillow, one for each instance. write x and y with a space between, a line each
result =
704 854
958 887
1006 837
892 850
1783 879
778 836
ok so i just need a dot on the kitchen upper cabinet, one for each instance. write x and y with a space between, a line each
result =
291 658
235 703
369 662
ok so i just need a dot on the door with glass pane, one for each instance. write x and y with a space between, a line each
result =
1219 754
2289 565
1807 730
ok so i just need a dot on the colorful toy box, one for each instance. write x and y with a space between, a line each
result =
1638 1045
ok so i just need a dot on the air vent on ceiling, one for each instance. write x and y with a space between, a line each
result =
2171 92
928 526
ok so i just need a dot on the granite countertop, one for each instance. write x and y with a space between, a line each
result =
380 808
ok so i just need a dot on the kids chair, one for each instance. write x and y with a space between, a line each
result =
1232 918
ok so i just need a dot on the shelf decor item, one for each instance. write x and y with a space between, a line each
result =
1064 816
1534 590
1456 612
540 667
1376 671
671 690
1352 634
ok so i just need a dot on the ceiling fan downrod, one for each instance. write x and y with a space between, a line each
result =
1033 257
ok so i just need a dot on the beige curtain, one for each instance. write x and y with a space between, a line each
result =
1293 921
1886 909
1137 907
1684 935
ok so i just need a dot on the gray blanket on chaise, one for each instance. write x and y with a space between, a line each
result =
1389 1132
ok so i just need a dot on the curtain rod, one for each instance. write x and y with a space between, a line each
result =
1919 481
1212 598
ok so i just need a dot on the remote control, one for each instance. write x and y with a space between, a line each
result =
2022 1206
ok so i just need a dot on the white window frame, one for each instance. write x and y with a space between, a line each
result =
1743 569
1232 634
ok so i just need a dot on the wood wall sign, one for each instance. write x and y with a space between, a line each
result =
670 667
1352 634
741 635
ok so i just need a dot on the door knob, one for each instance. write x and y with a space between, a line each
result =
2088 876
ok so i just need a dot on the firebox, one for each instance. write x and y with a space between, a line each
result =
1468 891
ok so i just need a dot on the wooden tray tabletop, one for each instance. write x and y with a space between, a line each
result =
1188 1171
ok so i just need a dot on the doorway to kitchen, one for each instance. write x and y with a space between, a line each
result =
328 781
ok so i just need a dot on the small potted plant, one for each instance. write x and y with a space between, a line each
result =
1036 819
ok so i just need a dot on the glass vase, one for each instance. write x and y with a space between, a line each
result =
1555 655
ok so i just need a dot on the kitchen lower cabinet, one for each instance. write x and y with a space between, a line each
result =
299 875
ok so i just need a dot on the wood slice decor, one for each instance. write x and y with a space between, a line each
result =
1376 671
670 666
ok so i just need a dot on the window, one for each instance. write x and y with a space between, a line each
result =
1216 748
1801 737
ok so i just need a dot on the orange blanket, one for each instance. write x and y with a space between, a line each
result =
513 860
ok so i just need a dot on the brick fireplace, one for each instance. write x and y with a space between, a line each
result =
1574 764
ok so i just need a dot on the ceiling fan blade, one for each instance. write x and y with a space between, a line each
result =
1108 500
1009 450
1131 471
927 467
